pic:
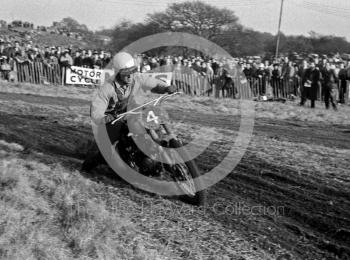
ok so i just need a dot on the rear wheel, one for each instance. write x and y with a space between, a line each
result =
185 174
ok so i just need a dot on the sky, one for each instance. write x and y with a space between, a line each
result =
331 17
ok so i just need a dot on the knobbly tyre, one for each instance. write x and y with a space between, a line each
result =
151 116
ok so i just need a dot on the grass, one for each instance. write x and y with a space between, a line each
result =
264 110
50 211
47 212
84 93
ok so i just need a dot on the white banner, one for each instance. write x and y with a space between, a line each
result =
84 76
165 76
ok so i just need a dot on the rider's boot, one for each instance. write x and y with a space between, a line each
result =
92 161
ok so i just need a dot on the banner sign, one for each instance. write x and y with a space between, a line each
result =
84 76
165 76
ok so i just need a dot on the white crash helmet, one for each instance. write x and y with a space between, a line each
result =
124 63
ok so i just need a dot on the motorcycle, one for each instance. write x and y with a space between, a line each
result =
173 164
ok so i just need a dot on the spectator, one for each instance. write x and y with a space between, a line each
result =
323 62
47 52
66 60
203 69
154 64
31 56
276 79
197 66
312 84
209 72
301 77
268 71
287 75
38 56
97 62
261 76
317 62
5 67
17 47
53 58
54 52
284 67
248 72
102 57
330 81
88 61
186 63
348 70
83 54
106 58
145 67
215 67
342 75
168 66
228 87
78 61
296 79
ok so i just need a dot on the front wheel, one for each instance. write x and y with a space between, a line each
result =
186 173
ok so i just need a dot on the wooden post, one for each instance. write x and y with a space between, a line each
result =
41 73
347 94
193 85
36 72
50 70
31 74
63 72
19 71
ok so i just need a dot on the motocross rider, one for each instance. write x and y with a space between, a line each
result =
112 99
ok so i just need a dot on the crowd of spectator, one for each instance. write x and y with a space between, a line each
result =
304 77
293 76
12 50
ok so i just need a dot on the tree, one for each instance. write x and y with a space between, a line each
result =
74 26
222 27
242 42
330 44
127 32
194 17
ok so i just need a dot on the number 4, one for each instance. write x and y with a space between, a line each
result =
152 117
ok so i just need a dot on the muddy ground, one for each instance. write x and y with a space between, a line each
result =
312 220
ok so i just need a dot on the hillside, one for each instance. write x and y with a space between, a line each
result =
47 39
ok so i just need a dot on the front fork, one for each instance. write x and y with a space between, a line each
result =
161 152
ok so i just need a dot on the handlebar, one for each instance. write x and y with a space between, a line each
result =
155 101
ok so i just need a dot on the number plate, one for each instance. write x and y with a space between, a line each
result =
153 117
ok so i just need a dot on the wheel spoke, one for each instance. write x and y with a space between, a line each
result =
187 184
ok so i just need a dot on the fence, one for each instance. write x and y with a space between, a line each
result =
189 83
197 85
40 73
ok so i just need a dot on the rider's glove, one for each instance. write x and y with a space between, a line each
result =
109 118
171 89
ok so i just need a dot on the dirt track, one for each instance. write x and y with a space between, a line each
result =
315 212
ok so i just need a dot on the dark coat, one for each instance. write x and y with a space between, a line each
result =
315 77
249 73
98 64
88 62
330 79
342 78
275 74
78 61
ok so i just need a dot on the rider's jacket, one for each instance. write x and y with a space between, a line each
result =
112 97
